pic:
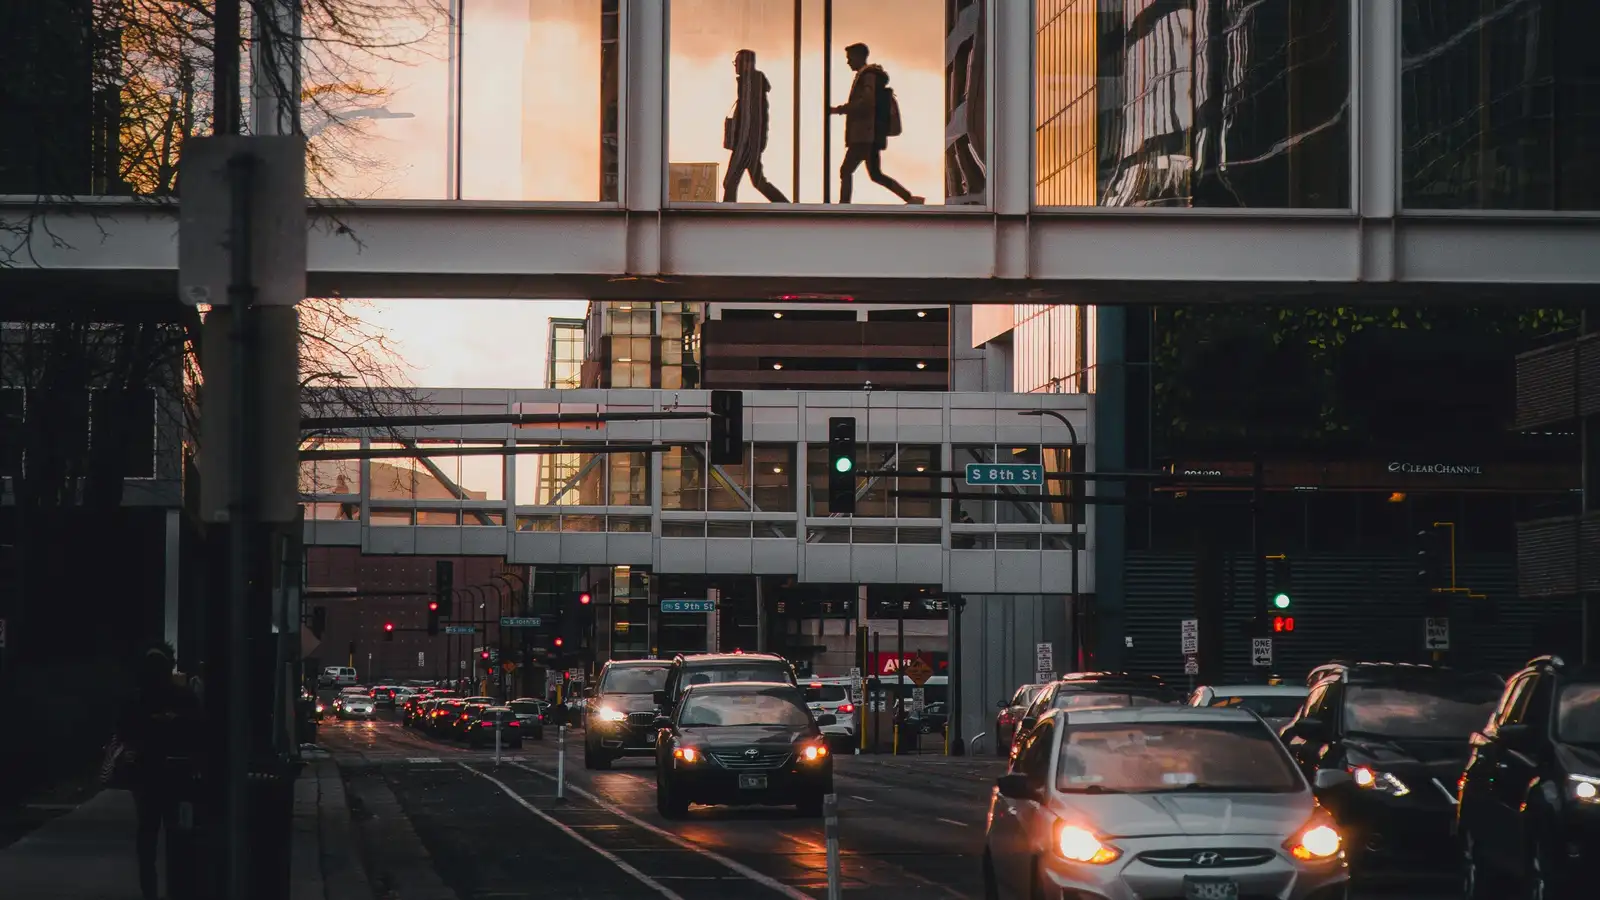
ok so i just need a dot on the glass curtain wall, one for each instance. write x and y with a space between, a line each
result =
1499 104
1209 103
751 83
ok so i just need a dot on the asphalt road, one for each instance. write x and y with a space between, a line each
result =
910 827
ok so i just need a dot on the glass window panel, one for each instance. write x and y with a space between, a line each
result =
817 479
1498 109
395 478
730 485
538 523
1060 460
918 458
920 536
538 100
332 512
630 479
438 517
772 530
728 529
377 102
483 477
579 523
483 518
828 535
683 479
773 478
938 156
390 517
628 524
861 535
872 491
1222 104
438 477
560 479
331 476
972 511
672 378
683 529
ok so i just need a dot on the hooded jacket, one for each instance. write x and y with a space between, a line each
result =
864 122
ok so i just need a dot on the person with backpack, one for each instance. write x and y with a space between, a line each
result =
744 133
871 117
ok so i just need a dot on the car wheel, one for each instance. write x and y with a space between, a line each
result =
668 803
593 759
991 885
810 806
1541 882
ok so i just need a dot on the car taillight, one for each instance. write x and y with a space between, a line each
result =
513 724
1006 718
847 708
485 723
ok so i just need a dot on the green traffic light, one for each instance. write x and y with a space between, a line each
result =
843 464
1281 601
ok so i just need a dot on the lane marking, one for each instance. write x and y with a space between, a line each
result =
765 881
952 822
423 760
862 799
605 854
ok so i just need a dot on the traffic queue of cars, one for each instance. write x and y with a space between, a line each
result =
476 720
1117 791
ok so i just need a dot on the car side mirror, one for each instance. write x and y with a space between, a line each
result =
663 722
659 698
1001 705
1014 785
588 693
827 719
1331 778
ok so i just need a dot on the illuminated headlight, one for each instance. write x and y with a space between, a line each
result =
607 714
1080 845
1320 841
1585 789
319 708
813 752
1382 782
687 754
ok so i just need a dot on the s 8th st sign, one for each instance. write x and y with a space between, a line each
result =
1005 473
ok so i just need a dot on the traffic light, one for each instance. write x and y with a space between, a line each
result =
1283 624
433 617
388 631
1431 564
483 655
584 599
842 465
559 642
1282 584
727 428
444 583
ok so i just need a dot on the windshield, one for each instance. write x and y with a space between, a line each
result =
1157 757
1269 706
1578 714
1442 711
1087 700
720 710
634 680
773 672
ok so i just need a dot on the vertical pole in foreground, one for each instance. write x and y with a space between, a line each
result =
561 763
799 17
498 727
827 101
830 829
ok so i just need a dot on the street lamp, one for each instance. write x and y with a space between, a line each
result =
1072 562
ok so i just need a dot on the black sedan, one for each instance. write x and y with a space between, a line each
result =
487 721
742 744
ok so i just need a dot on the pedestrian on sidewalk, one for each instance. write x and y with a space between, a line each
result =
158 726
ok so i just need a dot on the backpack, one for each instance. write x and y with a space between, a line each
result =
890 119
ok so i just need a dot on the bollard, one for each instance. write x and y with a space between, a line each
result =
497 727
561 763
830 829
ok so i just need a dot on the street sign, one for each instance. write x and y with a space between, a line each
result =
1043 677
1191 637
919 671
688 606
1044 659
1437 635
1261 652
1191 666
422 659
509 666
460 629
918 698
1005 473
520 621
277 232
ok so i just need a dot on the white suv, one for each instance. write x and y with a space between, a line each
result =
831 696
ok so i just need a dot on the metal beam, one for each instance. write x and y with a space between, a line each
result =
425 421
519 450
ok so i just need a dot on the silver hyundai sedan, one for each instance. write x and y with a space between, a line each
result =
1159 801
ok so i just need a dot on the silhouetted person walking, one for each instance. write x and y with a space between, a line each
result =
157 727
870 118
745 132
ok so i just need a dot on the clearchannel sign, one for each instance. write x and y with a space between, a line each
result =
1405 468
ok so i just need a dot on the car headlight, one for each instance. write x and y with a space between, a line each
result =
1585 789
607 714
1317 841
814 753
1383 782
687 754
1080 845
319 707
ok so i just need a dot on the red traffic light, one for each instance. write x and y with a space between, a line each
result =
559 642
388 626
1283 623
484 654
584 599
433 606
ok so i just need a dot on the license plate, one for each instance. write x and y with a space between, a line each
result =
752 782
1209 888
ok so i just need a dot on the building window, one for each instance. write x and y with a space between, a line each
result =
630 479
583 479
729 485
918 458
772 478
683 478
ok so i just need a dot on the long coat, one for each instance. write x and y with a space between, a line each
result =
864 122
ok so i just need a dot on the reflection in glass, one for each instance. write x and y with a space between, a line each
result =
1231 103
683 479
729 485
561 479
772 476
918 458
331 476
1498 109
511 100
630 479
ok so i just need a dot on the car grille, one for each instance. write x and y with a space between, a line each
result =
1206 859
741 761
642 718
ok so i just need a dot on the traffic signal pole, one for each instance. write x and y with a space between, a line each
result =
1260 561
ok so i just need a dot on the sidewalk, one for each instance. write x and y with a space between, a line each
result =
88 854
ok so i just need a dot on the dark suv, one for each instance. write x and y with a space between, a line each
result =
620 719
741 744
721 668
1530 798
1385 744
